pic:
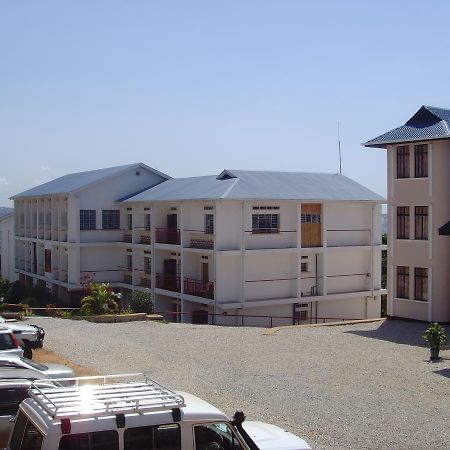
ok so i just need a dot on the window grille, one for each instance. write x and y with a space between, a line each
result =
209 223
402 282
420 284
310 218
402 222
421 222
88 219
265 223
111 219
421 161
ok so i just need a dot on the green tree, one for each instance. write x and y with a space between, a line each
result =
141 302
101 299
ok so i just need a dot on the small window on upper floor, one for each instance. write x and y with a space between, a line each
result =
403 161
111 219
402 282
129 221
421 161
421 222
88 219
421 284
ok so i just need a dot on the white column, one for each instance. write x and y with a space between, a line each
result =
181 226
325 250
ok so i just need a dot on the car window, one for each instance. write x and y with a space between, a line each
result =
10 400
98 440
216 436
25 436
158 437
6 342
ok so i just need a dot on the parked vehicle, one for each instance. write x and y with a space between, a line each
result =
51 370
32 336
14 385
9 344
134 415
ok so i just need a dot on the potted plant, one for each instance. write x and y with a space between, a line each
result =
435 337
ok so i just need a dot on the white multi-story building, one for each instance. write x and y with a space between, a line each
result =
418 165
7 270
275 247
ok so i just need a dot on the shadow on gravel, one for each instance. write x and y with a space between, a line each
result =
397 331
443 372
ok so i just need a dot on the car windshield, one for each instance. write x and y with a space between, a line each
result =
33 364
6 342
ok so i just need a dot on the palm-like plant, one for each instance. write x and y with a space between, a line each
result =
435 337
101 300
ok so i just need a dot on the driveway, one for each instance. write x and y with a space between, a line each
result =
362 386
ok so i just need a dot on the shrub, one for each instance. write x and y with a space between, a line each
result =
41 294
435 336
141 302
16 292
101 300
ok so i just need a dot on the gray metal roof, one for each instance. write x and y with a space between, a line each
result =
76 181
6 212
259 185
428 123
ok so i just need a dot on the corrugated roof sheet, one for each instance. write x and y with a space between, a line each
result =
260 185
76 181
427 123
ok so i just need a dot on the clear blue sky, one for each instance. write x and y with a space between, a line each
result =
193 87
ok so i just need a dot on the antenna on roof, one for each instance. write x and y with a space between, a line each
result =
339 145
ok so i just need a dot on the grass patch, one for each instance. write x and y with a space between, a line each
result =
43 356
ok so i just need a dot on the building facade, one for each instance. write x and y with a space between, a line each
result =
240 248
418 164
7 269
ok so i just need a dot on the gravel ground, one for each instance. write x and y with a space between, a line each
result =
362 386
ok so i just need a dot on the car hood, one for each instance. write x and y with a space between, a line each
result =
58 371
271 437
19 327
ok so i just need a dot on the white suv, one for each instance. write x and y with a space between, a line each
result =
140 414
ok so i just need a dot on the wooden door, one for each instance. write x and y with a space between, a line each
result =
172 222
205 272
311 220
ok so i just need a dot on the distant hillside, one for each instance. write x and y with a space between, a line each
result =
4 211
384 223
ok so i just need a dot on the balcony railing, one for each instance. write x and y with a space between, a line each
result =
199 288
167 236
202 240
145 237
128 277
127 236
146 281
168 282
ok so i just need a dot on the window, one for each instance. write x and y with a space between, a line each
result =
147 265
111 219
402 222
403 161
48 260
310 218
129 262
129 221
421 161
159 437
10 399
216 436
209 223
88 219
147 221
97 440
25 436
420 284
265 223
304 267
6 342
421 222
402 282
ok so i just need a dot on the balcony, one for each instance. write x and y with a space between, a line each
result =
168 281
127 236
128 277
199 288
146 281
145 237
167 236
202 240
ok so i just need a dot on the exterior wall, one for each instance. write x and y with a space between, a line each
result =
7 249
434 253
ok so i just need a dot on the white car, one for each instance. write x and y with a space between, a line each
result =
9 344
128 414
50 370
32 336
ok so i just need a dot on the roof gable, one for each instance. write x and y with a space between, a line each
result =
75 182
427 123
